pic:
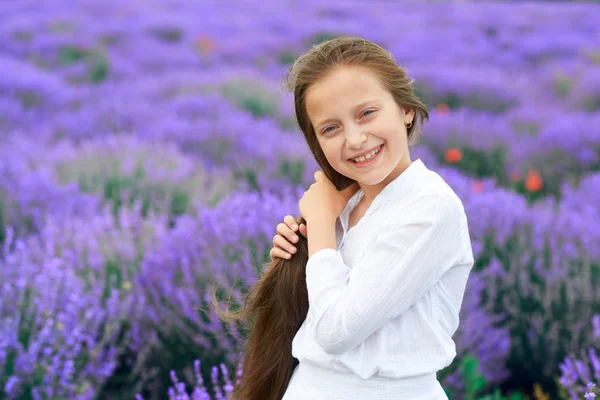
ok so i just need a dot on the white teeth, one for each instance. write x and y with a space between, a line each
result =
367 156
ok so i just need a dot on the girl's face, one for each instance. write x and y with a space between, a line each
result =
352 113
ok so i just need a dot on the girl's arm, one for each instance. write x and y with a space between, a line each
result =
322 235
401 265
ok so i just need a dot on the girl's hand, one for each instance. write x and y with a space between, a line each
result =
323 201
286 235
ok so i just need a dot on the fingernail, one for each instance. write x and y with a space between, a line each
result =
292 249
295 238
294 227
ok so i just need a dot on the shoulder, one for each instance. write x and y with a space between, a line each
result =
433 190
435 205
431 200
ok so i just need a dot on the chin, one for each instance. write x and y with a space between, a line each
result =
372 180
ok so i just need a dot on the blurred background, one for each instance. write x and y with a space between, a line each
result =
148 151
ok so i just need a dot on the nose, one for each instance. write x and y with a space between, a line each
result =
355 137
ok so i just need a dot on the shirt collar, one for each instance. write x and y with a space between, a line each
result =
399 187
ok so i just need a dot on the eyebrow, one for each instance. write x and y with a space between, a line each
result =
361 105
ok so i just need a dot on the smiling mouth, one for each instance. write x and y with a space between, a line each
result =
370 159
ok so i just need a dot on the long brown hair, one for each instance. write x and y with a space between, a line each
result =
277 304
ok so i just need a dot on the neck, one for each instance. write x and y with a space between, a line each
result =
371 191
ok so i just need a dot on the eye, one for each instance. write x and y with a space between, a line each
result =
365 113
326 130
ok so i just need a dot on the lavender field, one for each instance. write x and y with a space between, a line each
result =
148 151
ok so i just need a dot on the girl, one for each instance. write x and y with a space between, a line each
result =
367 305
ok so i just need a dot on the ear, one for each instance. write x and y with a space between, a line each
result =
409 115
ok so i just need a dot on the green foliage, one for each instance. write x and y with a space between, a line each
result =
526 128
29 99
563 86
3 221
62 26
479 101
474 383
251 96
481 164
288 123
591 102
497 395
287 58
96 62
123 191
72 54
293 170
323 37
533 305
166 34
250 176
11 215
593 56
22 36
122 179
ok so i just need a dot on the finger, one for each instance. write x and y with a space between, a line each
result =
278 253
303 230
287 232
284 244
279 229
290 221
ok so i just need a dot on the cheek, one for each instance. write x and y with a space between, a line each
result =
330 154
330 149
333 154
384 127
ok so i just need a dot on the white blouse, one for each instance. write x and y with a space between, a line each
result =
383 307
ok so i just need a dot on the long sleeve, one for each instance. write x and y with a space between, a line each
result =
402 264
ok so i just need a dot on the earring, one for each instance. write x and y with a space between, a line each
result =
409 124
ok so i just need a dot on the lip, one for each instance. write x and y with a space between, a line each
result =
365 152
369 163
